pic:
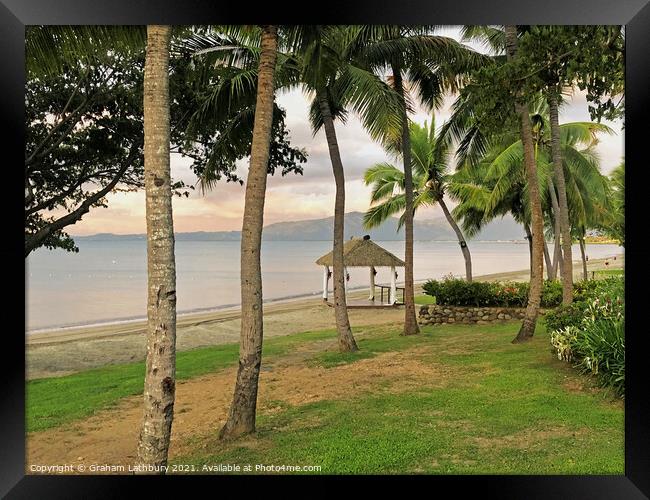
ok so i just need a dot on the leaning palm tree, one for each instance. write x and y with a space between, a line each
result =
160 375
421 65
473 188
497 184
239 70
590 201
339 82
430 178
329 74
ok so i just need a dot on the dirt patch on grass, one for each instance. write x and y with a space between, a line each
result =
110 437
393 371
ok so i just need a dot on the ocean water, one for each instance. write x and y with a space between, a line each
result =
106 280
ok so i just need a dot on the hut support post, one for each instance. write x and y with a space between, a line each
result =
393 286
372 284
326 279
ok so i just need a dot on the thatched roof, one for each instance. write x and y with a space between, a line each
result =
361 252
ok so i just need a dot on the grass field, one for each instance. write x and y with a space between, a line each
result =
496 408
455 399
54 401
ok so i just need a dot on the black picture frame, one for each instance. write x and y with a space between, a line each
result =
635 14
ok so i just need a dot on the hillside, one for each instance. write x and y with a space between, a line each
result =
435 229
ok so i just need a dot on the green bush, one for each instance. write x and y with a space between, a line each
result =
584 290
597 348
601 350
458 292
590 332
609 290
565 316
551 293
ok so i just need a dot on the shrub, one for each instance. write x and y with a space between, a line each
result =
583 290
565 316
590 332
608 293
595 347
600 347
551 293
458 292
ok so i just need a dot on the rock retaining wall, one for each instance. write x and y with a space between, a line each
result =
435 314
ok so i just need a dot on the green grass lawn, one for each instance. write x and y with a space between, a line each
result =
512 409
609 272
54 401
425 299
495 407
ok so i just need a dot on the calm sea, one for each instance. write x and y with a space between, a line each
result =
106 280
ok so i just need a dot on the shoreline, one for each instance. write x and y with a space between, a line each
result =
65 351
127 326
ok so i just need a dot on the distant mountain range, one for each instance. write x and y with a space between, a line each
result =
436 229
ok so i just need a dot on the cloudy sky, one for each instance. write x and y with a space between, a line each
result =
296 197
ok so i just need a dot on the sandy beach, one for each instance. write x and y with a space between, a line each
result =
69 350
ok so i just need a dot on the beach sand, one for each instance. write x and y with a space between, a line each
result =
69 350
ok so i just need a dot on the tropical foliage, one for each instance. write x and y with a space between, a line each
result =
429 158
105 107
496 185
613 221
590 333
83 140
456 292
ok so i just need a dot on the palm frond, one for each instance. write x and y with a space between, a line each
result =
379 213
50 49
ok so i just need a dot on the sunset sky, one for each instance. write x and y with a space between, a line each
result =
296 197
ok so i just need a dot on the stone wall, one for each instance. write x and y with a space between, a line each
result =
435 314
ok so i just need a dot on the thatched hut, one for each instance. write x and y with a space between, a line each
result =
362 252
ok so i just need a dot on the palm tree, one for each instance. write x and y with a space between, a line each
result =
529 322
590 202
50 49
426 66
614 220
345 337
317 59
337 82
160 375
497 184
563 206
241 417
430 178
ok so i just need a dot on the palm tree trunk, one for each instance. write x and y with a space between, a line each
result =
461 240
529 238
557 254
160 374
565 227
583 253
410 320
527 329
557 250
345 337
241 418
549 263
